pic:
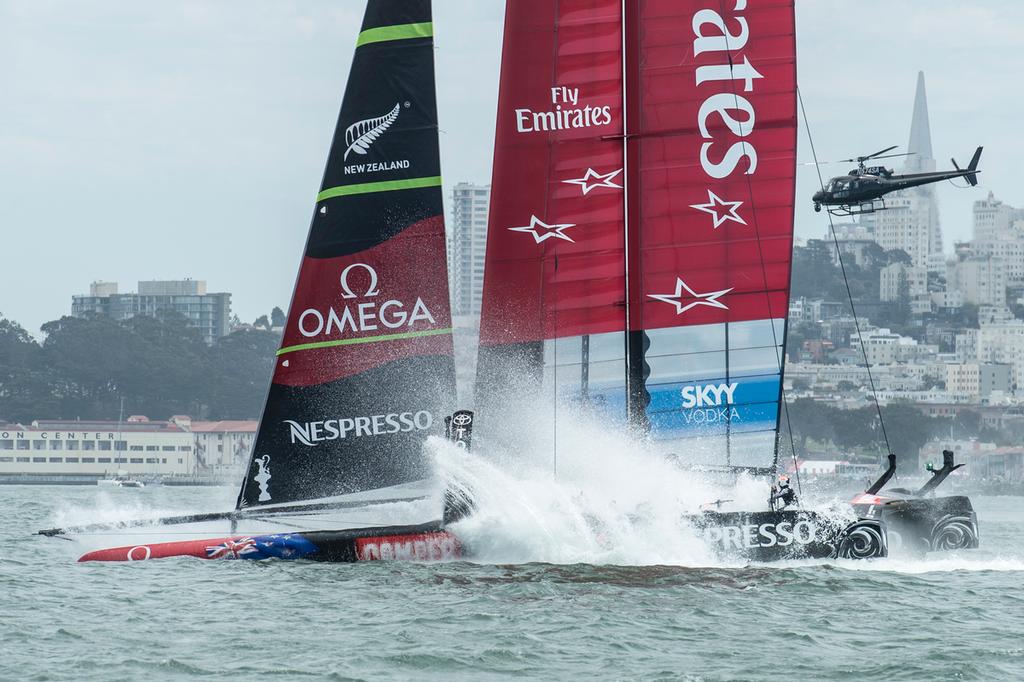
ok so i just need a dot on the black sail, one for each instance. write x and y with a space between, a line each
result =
365 371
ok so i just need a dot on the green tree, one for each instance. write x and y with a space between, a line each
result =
277 317
909 429
90 357
810 419
242 364
25 380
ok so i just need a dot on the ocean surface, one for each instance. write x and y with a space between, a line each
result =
955 616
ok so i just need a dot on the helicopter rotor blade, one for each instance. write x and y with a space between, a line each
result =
878 153
893 156
860 159
829 163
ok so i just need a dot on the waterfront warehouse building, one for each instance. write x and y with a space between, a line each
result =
136 447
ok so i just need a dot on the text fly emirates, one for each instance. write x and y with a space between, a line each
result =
529 121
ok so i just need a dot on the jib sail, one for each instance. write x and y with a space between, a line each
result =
365 369
659 291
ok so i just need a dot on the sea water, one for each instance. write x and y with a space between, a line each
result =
564 584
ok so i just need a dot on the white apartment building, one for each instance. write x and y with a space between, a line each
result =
947 299
1002 342
899 280
883 347
892 378
222 447
466 248
993 219
909 223
967 345
210 313
999 233
981 280
975 381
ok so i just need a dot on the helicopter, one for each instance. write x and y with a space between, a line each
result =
863 188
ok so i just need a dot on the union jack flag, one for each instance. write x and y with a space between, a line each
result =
232 549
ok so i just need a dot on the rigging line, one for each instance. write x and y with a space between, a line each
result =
792 447
846 281
780 351
554 378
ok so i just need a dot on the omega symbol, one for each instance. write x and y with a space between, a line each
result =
371 290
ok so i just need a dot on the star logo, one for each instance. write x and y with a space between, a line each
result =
592 180
541 230
715 203
709 299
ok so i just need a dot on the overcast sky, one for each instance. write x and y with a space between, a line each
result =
187 138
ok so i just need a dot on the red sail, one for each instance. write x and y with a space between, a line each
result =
711 160
643 183
555 241
714 141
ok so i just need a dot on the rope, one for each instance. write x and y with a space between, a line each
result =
846 281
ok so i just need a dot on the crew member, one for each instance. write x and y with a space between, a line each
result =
782 495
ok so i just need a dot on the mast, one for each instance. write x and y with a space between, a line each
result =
637 397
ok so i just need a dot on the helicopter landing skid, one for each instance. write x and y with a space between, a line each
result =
862 208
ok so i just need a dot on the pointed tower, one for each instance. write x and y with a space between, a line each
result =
920 144
911 221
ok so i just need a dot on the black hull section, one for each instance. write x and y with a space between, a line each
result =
789 534
926 524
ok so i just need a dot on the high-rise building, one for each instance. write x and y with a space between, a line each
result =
911 219
999 233
1001 341
899 282
467 246
209 313
981 280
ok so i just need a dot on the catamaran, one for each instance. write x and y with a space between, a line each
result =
365 369
638 269
640 238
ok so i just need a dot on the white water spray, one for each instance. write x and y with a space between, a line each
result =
612 501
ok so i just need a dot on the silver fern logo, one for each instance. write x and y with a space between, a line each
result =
360 135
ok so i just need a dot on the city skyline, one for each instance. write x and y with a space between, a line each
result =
141 159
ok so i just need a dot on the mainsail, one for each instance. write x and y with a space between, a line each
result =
641 264
365 369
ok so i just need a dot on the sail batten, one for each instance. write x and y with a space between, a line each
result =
383 186
365 372
382 34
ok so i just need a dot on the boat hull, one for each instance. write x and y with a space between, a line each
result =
790 534
426 542
924 524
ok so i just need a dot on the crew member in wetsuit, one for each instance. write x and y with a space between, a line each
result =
782 495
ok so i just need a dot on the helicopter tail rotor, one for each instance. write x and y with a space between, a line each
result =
971 174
